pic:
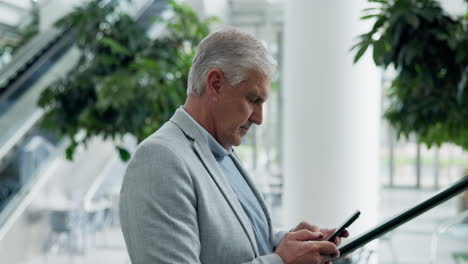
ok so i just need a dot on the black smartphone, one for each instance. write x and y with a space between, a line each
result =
345 225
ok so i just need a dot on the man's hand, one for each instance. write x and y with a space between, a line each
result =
301 247
325 232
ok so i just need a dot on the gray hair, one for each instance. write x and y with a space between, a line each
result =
232 51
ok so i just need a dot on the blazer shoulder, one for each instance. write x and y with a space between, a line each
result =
169 135
167 145
161 154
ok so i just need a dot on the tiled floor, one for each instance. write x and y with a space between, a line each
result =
109 249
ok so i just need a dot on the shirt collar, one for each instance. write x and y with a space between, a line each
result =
218 151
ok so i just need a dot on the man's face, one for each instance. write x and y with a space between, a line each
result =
237 108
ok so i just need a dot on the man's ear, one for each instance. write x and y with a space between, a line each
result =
213 82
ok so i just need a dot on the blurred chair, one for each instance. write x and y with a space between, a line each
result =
60 233
99 217
66 226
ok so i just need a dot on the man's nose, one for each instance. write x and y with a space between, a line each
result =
257 115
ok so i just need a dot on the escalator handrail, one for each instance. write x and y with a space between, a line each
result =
26 54
31 53
404 217
20 134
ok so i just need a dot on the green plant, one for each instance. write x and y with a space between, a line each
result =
124 82
429 50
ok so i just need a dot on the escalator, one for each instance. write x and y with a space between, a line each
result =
30 69
44 59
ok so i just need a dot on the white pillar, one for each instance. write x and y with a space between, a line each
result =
331 116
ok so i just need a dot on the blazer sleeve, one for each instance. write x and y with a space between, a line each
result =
158 210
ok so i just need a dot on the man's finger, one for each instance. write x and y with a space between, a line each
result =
328 258
305 225
327 232
337 241
345 233
306 235
327 248
331 257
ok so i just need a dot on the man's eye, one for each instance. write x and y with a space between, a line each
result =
255 100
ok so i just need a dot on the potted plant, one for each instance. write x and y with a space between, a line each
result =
429 50
124 81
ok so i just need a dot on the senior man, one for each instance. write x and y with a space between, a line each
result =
186 197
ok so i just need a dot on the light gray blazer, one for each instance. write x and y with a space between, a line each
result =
176 206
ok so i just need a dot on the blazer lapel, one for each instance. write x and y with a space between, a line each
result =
202 150
224 186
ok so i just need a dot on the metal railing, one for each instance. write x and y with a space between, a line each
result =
404 217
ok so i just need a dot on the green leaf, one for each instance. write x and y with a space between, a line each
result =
379 1
70 150
123 153
370 9
462 85
364 38
368 16
379 51
412 20
115 46
378 23
362 50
